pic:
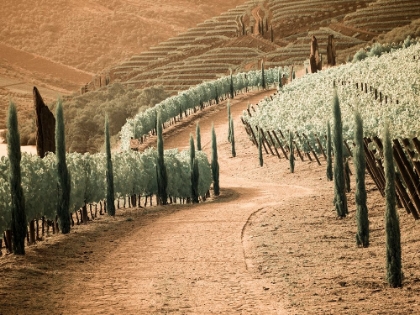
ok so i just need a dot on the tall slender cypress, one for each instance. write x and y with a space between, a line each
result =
64 185
194 172
18 223
260 155
291 154
232 137
110 196
329 153
231 89
263 75
340 200
162 177
198 136
394 273
362 236
229 118
214 163
280 78
192 150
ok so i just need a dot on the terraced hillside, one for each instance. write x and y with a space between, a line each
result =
277 31
58 45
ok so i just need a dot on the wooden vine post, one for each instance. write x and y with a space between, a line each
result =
279 143
274 146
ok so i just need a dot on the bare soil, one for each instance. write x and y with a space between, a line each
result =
60 45
269 244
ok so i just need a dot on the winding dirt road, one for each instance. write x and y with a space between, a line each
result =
270 244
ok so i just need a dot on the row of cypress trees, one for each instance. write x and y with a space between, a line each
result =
394 273
18 213
161 169
19 221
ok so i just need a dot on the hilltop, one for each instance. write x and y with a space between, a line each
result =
60 45
73 47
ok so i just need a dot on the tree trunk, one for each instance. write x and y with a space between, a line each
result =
90 210
37 229
84 214
8 240
32 232
134 200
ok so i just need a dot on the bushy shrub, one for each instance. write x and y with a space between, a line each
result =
360 55
85 114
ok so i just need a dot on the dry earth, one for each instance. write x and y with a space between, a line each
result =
59 45
270 244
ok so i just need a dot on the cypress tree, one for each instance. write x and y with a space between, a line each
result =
18 222
263 75
280 80
198 136
232 92
214 163
64 185
362 236
291 154
392 225
162 177
194 172
232 137
340 200
329 155
229 118
110 196
260 155
192 150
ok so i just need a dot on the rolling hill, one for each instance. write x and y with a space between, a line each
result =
69 47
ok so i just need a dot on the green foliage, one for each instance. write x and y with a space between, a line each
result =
198 136
229 118
260 155
63 176
263 84
19 223
279 76
214 163
378 49
329 153
194 172
192 151
231 88
394 273
291 154
362 235
162 177
84 114
232 137
110 196
340 200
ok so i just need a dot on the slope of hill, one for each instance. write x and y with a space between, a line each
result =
83 37
136 44
277 31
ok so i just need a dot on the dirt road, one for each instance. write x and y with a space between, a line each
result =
270 244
